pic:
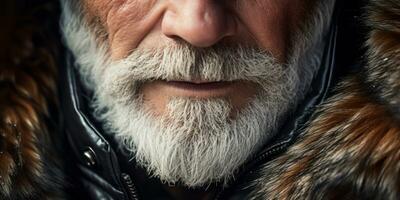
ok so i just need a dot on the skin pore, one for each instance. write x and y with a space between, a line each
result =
127 25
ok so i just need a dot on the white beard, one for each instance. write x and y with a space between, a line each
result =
196 142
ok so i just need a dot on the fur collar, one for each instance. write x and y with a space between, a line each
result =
27 91
350 149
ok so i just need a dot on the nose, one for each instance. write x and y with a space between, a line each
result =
201 23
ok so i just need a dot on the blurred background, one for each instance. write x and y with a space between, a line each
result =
25 26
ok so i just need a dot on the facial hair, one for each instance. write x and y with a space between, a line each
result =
195 142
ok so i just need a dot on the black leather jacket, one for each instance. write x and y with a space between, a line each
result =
98 170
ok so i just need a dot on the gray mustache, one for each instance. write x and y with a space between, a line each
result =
183 62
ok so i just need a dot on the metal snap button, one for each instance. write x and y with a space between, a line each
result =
89 157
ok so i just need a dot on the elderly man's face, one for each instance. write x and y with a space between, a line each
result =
147 24
194 87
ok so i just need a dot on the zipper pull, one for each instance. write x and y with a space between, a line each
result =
130 187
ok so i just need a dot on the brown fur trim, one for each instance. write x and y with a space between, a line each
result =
27 88
384 52
351 149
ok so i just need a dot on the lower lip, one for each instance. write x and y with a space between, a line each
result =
200 90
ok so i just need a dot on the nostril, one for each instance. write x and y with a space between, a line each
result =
176 38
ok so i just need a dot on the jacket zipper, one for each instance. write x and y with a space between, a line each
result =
132 191
281 146
130 187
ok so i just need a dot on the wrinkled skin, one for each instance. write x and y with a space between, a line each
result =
134 24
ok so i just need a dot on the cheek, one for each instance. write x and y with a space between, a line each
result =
271 24
126 22
111 11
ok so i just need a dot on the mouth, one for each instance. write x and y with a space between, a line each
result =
199 85
199 89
